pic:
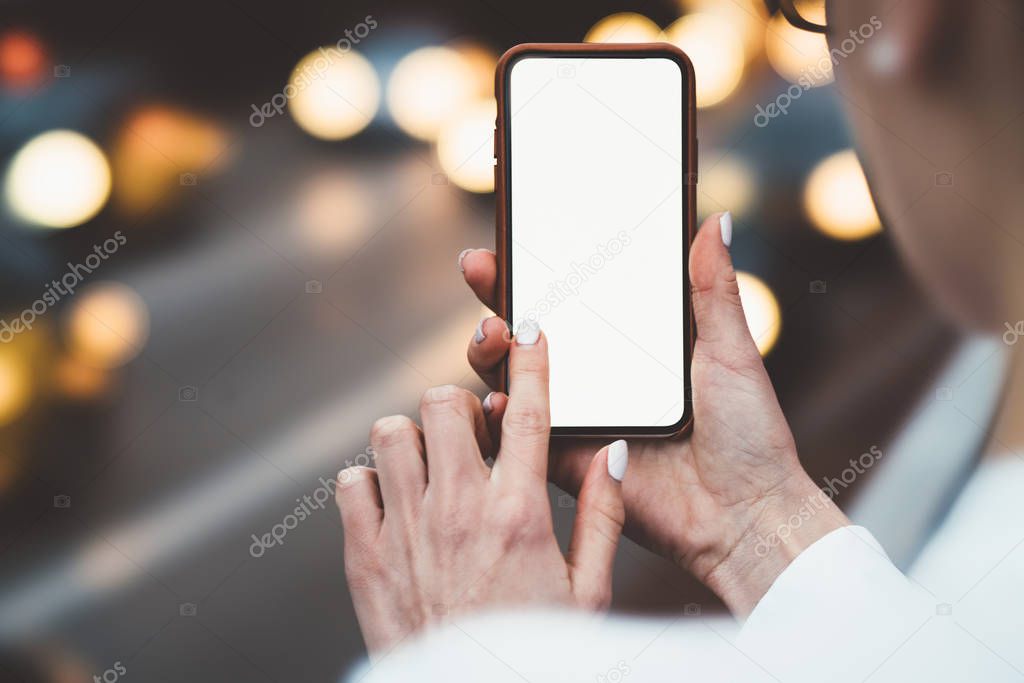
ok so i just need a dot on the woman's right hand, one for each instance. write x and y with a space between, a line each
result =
729 502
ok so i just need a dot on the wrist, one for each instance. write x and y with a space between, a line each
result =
778 529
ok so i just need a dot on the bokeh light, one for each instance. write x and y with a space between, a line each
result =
837 198
15 385
481 62
747 19
108 325
761 309
726 184
427 88
465 147
155 151
59 179
624 27
799 56
74 379
23 59
717 55
333 95
334 212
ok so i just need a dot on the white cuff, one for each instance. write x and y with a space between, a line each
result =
836 613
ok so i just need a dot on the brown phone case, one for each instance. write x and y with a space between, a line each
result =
501 185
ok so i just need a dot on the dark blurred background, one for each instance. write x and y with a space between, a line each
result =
255 244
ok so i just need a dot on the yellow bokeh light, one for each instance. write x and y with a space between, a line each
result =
716 53
481 62
59 179
108 325
427 88
15 385
155 150
746 17
465 147
624 27
761 309
333 95
799 56
837 198
727 184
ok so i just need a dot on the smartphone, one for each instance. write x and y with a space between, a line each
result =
595 177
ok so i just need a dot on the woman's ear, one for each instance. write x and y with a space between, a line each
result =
920 39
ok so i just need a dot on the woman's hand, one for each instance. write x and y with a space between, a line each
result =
730 502
434 531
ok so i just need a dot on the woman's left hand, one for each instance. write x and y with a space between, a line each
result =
433 531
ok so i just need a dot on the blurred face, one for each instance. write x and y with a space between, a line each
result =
936 106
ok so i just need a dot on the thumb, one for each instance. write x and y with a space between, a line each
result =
598 526
715 292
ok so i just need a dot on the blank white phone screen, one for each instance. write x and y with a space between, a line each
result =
597 233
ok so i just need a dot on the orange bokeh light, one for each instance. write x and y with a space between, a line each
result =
23 59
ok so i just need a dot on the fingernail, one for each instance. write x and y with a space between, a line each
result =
349 475
528 334
488 405
725 224
462 255
479 335
618 458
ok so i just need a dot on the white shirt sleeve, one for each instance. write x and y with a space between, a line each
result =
840 612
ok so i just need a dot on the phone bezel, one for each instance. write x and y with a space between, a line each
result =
503 191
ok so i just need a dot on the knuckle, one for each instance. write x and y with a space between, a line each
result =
361 567
526 420
518 518
391 431
447 397
530 366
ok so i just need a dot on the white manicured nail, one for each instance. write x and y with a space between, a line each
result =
462 255
618 458
528 334
479 335
725 224
488 404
